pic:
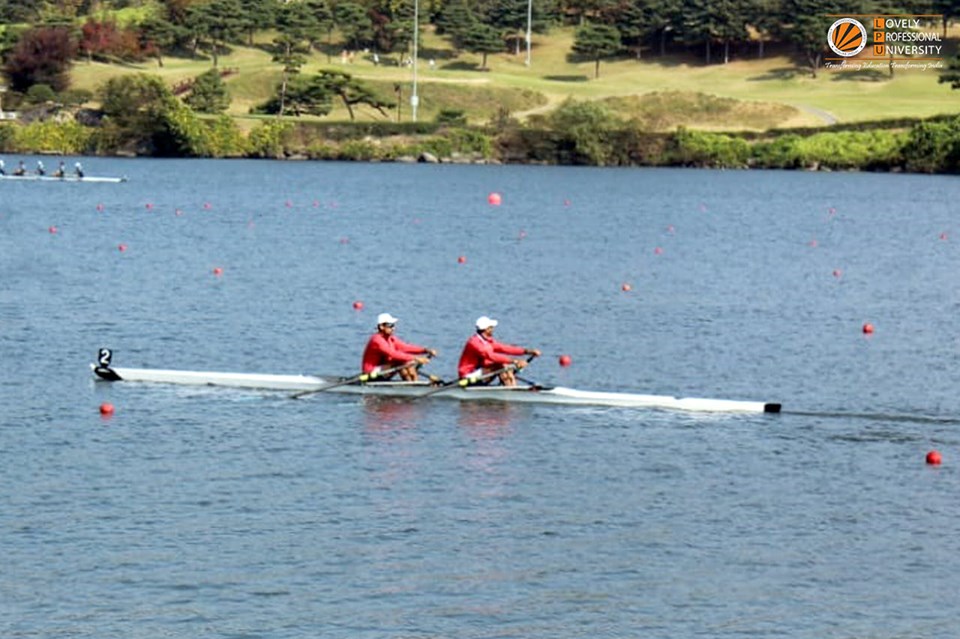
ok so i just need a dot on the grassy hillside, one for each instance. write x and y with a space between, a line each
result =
745 94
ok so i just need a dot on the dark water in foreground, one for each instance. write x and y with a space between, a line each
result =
198 512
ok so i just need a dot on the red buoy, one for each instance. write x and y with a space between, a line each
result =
625 287
565 360
53 230
100 207
658 251
358 305
462 259
106 408
149 206
868 329
943 236
494 199
837 273
934 458
207 206
218 271
122 248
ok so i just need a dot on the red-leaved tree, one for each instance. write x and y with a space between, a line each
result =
104 40
41 56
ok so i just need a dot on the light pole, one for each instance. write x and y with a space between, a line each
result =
414 98
529 27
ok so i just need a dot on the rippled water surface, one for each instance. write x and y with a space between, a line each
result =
201 512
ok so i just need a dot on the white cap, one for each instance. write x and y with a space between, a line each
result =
484 322
386 318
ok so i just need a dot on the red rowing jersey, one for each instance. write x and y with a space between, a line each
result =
388 352
480 352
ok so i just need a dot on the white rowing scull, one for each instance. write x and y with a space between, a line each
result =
526 394
66 178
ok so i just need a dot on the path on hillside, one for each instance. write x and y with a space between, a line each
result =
826 116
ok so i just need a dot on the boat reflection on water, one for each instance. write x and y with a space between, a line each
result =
488 420
477 420
389 415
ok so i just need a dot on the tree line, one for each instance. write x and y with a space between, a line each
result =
717 30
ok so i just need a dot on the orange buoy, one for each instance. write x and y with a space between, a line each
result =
107 408
868 329
358 305
565 360
494 199
625 287
934 458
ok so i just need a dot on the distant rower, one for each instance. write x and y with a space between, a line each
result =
2 170
61 170
385 350
20 170
482 354
78 170
40 169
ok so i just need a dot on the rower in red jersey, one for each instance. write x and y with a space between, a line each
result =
385 351
482 354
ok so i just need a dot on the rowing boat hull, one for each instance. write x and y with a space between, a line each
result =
66 178
522 394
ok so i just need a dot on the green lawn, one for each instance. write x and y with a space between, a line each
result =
775 91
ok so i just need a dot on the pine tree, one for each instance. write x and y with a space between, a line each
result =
596 41
483 39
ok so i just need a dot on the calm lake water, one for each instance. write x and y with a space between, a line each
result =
197 512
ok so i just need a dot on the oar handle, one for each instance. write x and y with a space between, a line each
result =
363 378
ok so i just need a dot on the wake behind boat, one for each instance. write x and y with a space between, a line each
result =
413 390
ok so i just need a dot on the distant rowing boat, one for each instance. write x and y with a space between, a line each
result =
66 178
412 390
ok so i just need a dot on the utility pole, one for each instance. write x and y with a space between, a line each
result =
529 28
414 98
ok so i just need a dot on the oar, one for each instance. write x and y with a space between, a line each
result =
362 377
463 382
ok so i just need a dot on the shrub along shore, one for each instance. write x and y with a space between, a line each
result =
578 133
